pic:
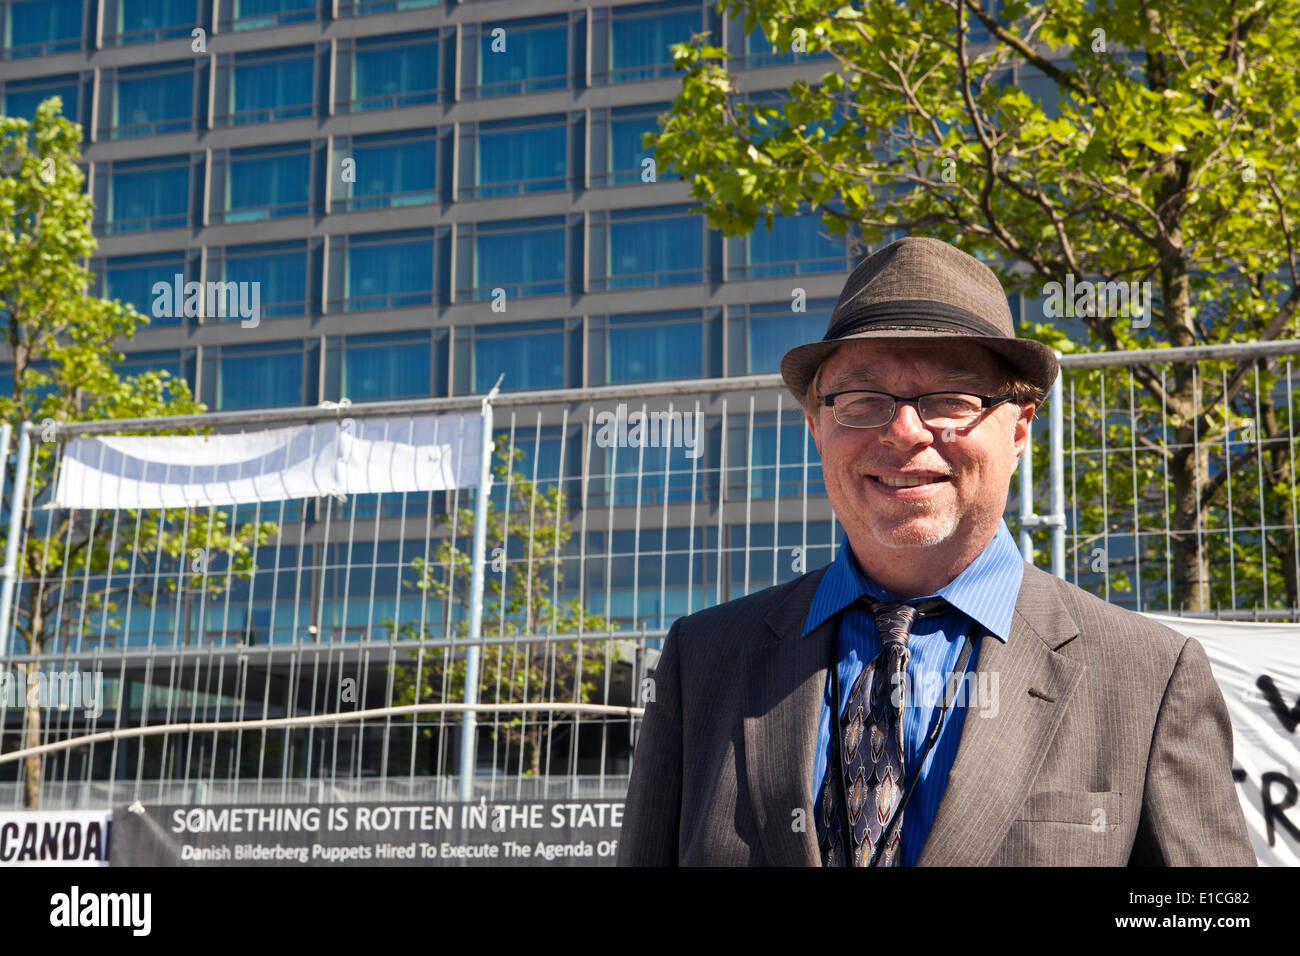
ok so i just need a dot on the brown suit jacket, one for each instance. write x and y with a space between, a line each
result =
1111 743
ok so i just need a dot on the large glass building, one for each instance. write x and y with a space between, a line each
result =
427 195
380 169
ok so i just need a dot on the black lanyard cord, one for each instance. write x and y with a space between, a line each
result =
949 695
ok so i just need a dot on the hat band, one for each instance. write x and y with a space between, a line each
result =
913 314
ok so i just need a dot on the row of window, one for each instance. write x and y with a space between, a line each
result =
646 577
737 339
521 55
741 339
493 261
388 170
551 353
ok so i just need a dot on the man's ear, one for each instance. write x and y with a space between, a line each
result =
812 427
1020 426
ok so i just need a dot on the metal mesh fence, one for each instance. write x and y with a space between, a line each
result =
612 512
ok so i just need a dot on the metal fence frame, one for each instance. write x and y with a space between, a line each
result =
1030 519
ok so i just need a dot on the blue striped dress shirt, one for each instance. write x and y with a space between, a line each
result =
985 591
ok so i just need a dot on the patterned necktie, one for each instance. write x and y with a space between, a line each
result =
872 751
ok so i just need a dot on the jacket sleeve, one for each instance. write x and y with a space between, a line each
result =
1191 813
652 815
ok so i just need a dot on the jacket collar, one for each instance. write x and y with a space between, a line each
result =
984 591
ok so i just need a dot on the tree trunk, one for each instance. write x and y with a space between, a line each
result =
1278 472
32 705
535 742
32 737
1191 569
1190 466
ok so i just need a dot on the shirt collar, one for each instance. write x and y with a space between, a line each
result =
985 590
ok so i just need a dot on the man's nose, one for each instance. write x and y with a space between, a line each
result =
906 427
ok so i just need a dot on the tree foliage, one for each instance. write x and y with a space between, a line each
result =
1160 145
63 346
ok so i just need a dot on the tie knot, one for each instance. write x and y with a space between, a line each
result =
895 619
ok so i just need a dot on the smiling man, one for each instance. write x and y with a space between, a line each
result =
928 698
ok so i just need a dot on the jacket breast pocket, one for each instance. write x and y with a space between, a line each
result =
1067 828
1097 810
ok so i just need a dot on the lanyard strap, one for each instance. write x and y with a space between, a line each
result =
949 694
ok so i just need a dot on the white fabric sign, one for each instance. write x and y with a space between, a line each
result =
343 457
1257 667
55 837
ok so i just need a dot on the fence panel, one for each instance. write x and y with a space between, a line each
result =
612 512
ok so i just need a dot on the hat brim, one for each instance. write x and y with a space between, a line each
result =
1034 361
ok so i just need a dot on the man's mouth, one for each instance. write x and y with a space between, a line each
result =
892 481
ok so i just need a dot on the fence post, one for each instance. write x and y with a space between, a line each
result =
1025 475
1056 426
10 570
6 432
468 741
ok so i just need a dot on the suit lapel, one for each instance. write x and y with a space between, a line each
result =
784 683
999 755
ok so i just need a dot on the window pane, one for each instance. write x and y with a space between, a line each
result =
638 48
21 99
132 280
259 14
147 21
363 7
391 75
255 381
627 156
264 187
795 245
767 476
388 275
1043 90
272 90
149 104
521 261
651 458
155 197
514 160
377 370
134 363
534 58
655 252
530 353
394 173
37 27
281 278
760 52
771 336
643 349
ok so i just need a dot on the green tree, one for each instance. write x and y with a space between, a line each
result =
1163 148
63 343
520 590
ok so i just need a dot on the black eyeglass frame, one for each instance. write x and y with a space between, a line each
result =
986 402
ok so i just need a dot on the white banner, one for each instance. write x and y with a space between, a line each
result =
55 837
349 456
1257 667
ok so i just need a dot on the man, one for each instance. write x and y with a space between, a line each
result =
980 711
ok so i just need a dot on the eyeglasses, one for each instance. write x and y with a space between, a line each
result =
863 408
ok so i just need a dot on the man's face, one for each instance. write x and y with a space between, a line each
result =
941 522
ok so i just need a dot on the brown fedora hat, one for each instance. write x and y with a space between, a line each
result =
922 288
